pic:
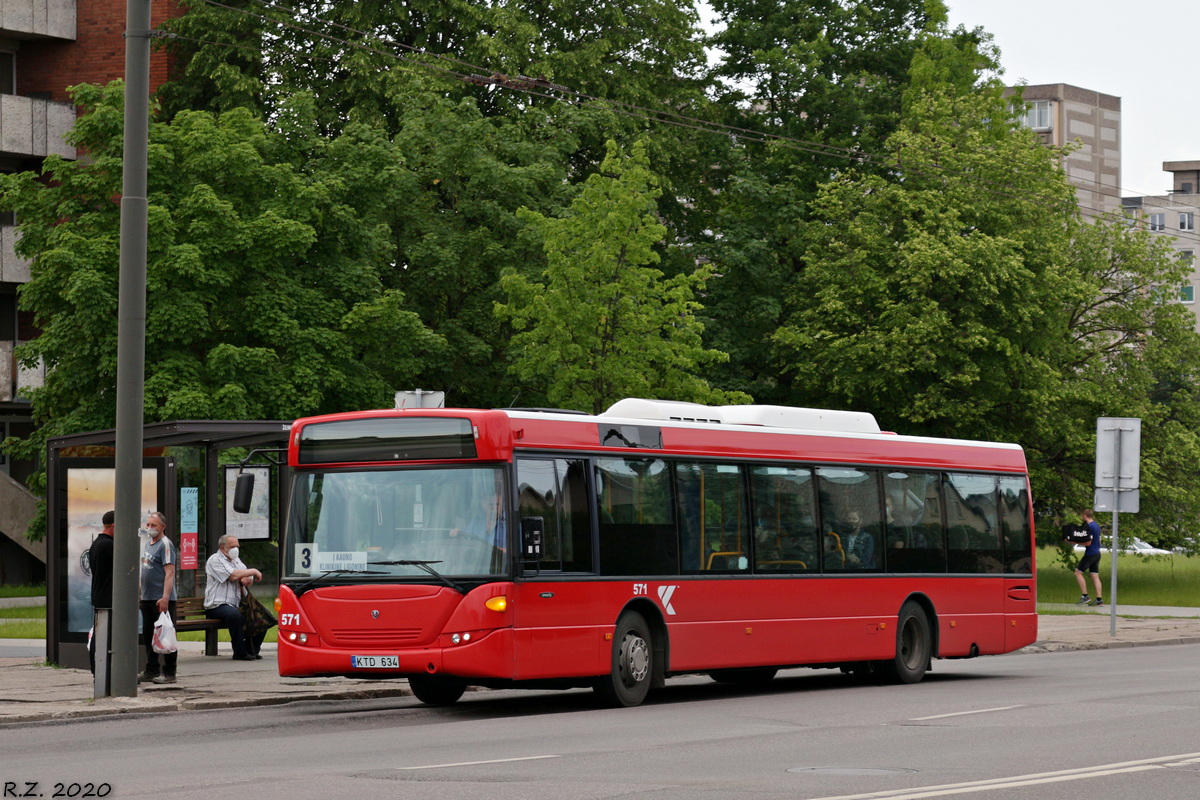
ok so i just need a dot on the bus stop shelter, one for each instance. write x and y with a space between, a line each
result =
187 475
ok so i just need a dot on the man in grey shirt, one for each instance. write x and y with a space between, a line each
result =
158 595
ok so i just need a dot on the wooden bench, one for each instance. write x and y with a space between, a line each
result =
189 616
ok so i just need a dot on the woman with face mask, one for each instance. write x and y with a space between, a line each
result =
227 580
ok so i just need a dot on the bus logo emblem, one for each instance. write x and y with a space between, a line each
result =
664 594
374 613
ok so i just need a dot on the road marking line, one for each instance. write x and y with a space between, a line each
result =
1034 779
474 763
964 713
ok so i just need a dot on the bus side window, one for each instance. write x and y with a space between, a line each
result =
574 511
913 521
850 518
1014 525
556 490
714 528
637 525
973 535
537 493
785 529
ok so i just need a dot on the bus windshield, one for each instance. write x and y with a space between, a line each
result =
348 522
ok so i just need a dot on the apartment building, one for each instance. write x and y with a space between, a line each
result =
1174 215
1063 114
45 47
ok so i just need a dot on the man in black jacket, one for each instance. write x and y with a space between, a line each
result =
100 562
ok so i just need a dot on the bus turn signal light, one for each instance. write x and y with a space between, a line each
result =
497 603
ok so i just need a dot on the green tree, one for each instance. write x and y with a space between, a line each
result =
924 295
831 77
963 295
601 322
456 229
264 295
443 81
1132 351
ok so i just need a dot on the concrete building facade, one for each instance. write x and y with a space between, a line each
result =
1174 215
1063 114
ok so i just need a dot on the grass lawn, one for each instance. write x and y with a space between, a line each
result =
1141 580
24 612
24 629
35 590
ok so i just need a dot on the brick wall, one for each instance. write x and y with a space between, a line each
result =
97 55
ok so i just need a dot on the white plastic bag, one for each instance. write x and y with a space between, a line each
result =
164 634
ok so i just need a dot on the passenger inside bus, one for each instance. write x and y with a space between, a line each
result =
859 544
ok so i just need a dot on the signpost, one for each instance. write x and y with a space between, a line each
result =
1118 458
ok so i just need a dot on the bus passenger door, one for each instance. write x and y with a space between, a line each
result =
1020 599
556 624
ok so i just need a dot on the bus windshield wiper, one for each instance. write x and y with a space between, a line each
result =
424 565
316 578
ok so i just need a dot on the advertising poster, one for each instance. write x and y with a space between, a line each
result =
256 524
189 527
91 492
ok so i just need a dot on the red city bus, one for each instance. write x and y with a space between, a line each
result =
541 548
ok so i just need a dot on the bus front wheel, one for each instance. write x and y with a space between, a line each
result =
914 646
628 683
436 690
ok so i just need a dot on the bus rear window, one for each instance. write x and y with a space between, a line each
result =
386 439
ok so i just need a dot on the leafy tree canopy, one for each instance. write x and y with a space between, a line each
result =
602 323
265 297
830 76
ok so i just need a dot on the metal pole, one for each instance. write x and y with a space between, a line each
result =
1115 546
131 349
102 648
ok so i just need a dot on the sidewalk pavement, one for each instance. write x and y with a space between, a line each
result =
33 692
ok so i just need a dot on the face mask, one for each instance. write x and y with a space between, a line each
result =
233 552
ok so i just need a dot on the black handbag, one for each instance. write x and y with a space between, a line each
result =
255 617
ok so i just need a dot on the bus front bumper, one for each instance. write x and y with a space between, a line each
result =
485 655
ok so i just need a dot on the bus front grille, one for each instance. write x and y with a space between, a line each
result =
375 636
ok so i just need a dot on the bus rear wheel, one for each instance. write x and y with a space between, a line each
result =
914 646
437 690
632 664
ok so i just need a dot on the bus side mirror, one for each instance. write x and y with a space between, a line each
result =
532 532
243 492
